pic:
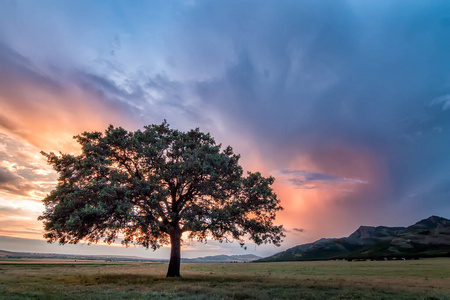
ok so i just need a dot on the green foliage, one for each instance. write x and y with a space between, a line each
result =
145 185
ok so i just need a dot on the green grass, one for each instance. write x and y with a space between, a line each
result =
423 279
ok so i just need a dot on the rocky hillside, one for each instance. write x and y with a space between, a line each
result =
427 238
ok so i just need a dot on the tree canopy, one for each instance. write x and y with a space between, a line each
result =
149 187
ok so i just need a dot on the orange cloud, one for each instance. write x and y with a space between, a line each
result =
43 120
326 209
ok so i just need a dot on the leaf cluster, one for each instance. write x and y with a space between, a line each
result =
145 185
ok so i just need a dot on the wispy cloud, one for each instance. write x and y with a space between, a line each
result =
442 100
304 179
23 171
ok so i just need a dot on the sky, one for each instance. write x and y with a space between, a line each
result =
345 103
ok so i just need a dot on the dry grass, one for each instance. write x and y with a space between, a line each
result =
423 279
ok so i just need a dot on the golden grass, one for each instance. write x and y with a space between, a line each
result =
422 279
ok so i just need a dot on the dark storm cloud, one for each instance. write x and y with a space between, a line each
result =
372 78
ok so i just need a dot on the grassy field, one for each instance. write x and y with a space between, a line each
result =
420 279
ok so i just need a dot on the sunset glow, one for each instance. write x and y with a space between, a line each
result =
346 105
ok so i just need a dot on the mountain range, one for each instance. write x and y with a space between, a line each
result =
427 238
8 255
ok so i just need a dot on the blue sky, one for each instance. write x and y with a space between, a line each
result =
346 103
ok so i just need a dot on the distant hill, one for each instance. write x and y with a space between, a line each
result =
5 255
222 258
427 238
26 255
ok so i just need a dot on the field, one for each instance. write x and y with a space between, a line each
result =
37 279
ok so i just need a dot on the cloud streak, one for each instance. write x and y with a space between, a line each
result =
304 179
442 100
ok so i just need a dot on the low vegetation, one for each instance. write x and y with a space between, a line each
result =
418 279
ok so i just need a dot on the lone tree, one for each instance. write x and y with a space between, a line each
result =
149 187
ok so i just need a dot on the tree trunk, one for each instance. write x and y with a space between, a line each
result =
175 255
